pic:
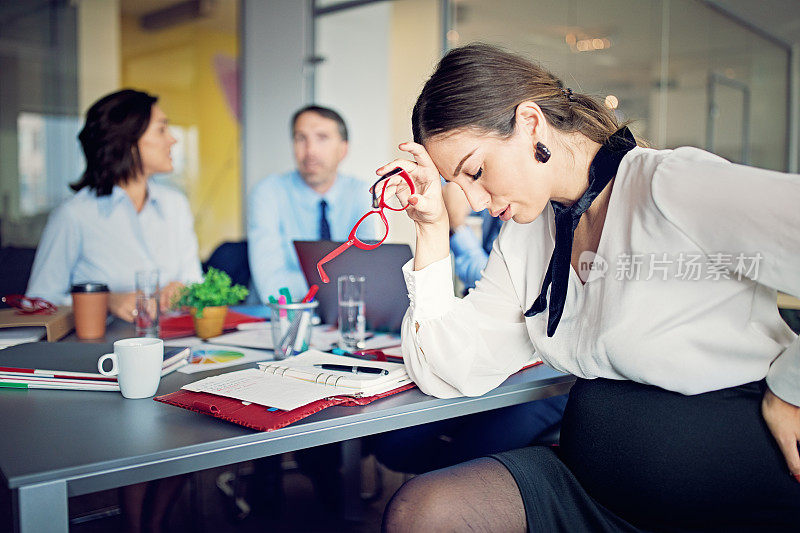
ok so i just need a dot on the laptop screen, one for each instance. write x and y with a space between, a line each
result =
385 298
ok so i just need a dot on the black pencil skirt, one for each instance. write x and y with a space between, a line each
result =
636 457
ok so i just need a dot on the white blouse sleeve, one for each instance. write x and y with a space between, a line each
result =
463 347
733 208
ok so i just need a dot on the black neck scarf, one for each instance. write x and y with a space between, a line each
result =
603 168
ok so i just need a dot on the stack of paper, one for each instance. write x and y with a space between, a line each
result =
323 337
12 336
75 371
55 325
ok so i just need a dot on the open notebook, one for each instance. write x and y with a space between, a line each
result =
295 382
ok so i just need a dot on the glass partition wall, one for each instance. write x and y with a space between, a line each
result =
683 72
58 56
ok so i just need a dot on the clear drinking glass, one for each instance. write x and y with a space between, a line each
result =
147 303
351 312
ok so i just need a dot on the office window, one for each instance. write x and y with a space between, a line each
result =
38 106
58 58
685 74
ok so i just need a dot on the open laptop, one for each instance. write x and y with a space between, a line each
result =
385 298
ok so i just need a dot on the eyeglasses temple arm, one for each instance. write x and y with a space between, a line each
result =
344 246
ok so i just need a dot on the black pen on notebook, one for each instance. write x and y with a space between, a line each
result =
354 369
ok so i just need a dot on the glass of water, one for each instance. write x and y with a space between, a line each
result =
147 303
351 312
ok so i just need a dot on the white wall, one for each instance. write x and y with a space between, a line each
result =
354 80
274 86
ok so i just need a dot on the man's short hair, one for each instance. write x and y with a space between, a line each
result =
325 112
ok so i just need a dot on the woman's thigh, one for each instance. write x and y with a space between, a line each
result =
479 495
664 460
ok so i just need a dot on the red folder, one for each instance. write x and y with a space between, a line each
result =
256 416
182 325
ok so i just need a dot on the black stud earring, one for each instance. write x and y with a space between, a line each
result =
542 153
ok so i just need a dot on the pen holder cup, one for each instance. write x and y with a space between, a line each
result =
291 327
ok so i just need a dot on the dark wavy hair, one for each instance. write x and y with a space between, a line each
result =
114 125
480 86
324 112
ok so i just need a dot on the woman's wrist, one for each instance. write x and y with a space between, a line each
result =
432 229
433 243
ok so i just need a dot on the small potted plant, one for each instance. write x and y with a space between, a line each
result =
209 301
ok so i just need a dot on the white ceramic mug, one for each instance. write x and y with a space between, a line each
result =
137 364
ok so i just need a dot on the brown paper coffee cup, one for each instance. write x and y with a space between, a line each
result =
90 308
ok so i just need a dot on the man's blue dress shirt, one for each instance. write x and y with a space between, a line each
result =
103 239
282 209
470 254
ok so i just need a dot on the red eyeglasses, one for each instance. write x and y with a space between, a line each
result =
379 205
29 306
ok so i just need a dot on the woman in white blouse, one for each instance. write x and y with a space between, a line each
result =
650 275
119 222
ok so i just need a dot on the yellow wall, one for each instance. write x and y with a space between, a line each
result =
177 65
414 50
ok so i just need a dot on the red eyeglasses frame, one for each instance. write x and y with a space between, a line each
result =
29 306
379 204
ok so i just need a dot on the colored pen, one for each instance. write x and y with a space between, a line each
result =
283 316
285 292
272 299
56 386
310 294
34 383
299 340
35 372
354 369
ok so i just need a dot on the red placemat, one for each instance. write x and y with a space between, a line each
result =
182 325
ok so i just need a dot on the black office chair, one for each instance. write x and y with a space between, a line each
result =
15 269
231 258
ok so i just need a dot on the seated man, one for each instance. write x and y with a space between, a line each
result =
311 202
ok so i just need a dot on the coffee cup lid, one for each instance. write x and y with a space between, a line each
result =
90 287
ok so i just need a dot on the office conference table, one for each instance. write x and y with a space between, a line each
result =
58 444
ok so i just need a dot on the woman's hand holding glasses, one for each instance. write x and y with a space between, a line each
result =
378 206
426 205
417 186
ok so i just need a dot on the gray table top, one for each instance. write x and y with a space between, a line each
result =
98 440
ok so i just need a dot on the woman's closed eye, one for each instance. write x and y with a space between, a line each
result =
477 175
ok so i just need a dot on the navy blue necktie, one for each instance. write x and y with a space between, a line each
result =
604 167
324 227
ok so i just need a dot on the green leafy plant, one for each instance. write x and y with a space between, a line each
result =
215 289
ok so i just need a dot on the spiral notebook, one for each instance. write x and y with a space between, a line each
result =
256 416
296 382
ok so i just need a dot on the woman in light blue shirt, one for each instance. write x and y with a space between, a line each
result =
119 222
